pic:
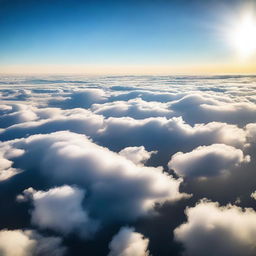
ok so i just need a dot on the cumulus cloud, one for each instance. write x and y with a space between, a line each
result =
138 155
15 94
80 98
167 136
251 132
253 195
17 113
203 108
6 164
146 95
70 158
135 108
29 243
60 209
76 120
127 242
214 230
206 161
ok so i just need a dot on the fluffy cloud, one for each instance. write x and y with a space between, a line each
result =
80 98
17 113
253 195
127 242
146 95
15 94
167 136
6 165
29 243
135 108
69 158
138 155
76 120
206 161
203 108
251 132
213 230
60 209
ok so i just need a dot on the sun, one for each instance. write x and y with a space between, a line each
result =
243 36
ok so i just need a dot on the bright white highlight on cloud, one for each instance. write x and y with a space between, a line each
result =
207 161
29 243
127 242
6 169
214 230
138 155
253 195
60 209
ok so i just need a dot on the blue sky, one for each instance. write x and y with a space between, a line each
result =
74 32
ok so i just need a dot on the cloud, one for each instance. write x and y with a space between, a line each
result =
80 98
215 230
17 113
70 158
6 166
29 243
167 136
253 195
138 155
76 120
127 242
60 209
15 94
95 150
204 108
207 161
135 108
145 95
251 132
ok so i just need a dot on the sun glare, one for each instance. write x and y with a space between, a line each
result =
243 36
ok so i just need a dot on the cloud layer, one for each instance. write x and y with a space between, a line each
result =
83 158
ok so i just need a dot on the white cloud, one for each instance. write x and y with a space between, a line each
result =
167 136
127 242
147 95
60 209
138 155
83 98
202 108
253 195
19 113
29 243
135 108
207 161
213 230
251 132
6 165
141 115
76 120
70 158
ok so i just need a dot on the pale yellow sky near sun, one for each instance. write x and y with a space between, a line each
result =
227 68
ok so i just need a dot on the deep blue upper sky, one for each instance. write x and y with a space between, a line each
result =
75 32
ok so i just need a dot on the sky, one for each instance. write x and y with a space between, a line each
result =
127 127
120 37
